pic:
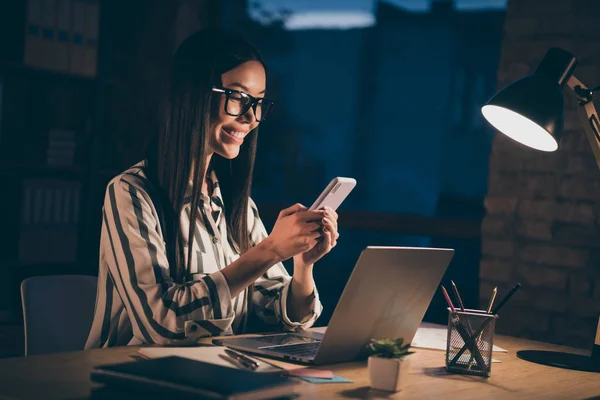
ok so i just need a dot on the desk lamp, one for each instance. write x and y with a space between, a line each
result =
530 111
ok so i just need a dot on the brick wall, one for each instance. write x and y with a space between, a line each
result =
542 223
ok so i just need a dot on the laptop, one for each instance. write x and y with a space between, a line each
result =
386 296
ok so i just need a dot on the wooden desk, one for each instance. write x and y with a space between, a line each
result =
66 375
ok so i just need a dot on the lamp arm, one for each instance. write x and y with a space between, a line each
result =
587 114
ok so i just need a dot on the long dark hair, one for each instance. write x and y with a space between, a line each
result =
182 142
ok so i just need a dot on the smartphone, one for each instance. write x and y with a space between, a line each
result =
334 194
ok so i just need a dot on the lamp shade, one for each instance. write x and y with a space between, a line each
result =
530 110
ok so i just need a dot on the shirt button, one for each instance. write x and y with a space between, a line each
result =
215 239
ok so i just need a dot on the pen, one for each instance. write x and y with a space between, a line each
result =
487 321
234 362
462 332
242 358
489 309
506 298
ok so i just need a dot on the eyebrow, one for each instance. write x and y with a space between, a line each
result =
243 87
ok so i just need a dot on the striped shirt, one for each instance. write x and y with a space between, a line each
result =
138 303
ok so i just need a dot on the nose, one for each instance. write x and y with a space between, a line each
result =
249 117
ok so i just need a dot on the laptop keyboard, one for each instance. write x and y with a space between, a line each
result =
285 339
298 350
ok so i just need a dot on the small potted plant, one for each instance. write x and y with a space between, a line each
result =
387 364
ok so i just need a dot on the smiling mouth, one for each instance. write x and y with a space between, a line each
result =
236 134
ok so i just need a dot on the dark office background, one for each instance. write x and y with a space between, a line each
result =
387 92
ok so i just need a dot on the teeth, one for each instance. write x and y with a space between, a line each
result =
239 135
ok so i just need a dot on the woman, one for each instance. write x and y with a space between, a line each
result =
183 251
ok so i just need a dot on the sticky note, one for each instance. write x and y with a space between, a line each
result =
311 373
335 379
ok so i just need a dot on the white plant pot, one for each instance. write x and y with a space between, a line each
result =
388 373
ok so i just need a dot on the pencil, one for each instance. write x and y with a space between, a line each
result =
460 303
487 321
489 309
462 306
448 299
466 336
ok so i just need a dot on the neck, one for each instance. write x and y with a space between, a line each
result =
207 163
205 173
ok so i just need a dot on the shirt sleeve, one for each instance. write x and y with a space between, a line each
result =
161 311
271 289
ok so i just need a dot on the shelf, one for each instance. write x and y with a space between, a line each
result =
109 173
19 68
40 170
50 267
21 271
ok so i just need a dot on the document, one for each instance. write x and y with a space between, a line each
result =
433 336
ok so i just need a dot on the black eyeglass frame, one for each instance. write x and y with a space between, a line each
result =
252 104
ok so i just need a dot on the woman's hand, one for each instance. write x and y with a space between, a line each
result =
296 231
324 244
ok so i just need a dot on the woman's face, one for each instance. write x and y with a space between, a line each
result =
228 132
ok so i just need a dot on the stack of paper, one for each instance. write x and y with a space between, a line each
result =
432 336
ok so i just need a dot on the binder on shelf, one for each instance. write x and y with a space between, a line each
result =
48 56
92 18
1 106
49 221
61 147
33 33
77 53
63 35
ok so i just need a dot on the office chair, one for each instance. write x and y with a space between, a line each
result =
57 312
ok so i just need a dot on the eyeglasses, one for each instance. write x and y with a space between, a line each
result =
238 103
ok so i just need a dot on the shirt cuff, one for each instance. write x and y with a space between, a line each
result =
220 296
222 306
208 327
308 320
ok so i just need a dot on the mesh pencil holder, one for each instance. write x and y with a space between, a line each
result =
470 342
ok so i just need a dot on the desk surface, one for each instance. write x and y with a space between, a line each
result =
66 375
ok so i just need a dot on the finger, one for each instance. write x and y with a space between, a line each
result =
335 234
335 231
314 237
330 240
329 224
315 233
311 215
333 218
311 226
332 213
292 210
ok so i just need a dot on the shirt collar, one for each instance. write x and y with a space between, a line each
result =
215 198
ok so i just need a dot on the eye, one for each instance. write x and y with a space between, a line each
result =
237 96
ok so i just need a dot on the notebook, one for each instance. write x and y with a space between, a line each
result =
207 354
212 354
178 376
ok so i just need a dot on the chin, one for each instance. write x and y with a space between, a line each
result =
229 154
